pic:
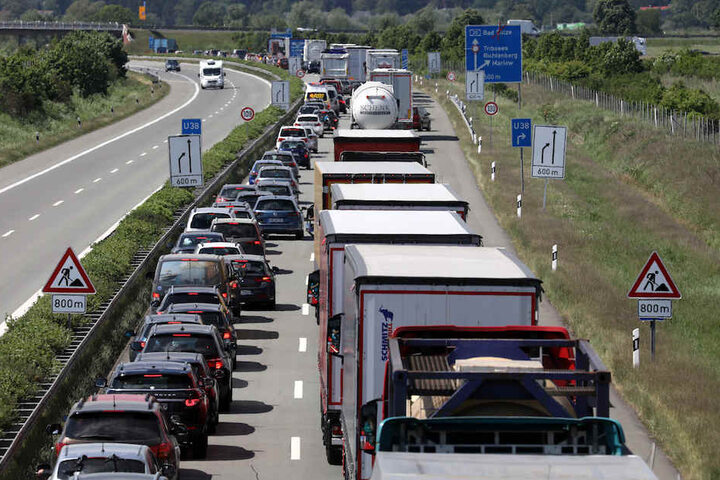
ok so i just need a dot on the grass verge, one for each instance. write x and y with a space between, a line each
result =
57 123
187 40
624 196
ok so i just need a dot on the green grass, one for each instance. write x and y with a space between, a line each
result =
58 122
629 190
655 46
187 40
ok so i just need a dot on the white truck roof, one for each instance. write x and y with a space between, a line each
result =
392 222
449 466
379 168
392 192
435 261
375 133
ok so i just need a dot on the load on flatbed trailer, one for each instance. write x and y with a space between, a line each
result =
374 140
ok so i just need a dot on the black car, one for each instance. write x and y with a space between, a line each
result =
140 337
203 339
187 241
313 66
202 371
172 66
216 315
252 280
329 119
177 389
191 295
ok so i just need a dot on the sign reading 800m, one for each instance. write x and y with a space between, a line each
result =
495 49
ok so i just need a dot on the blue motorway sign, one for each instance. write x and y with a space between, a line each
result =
191 126
521 132
297 45
404 58
496 49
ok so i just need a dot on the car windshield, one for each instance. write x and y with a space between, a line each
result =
292 132
260 164
248 268
152 381
250 198
308 109
235 230
211 72
230 192
290 145
243 214
275 173
183 342
189 272
220 250
190 240
307 118
212 318
68 468
204 219
188 297
115 426
277 189
275 204
283 157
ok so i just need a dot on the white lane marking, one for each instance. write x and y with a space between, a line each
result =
306 309
155 147
216 112
59 202
306 281
79 190
298 390
210 116
33 217
312 257
129 162
165 141
113 170
97 179
107 142
204 120
294 448
302 344
143 154
8 233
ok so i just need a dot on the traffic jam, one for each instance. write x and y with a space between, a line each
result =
432 358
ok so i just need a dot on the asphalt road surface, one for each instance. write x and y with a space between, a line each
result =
71 194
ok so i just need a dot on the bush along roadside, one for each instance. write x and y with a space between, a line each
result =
29 347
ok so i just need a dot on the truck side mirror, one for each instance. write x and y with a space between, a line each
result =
333 334
313 288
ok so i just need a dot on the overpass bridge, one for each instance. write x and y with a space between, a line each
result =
23 29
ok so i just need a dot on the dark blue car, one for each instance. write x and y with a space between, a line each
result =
279 215
299 150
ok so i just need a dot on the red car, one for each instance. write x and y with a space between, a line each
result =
420 119
283 63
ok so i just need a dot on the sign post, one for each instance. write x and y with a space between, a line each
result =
521 136
636 347
69 285
185 159
548 160
247 114
191 126
434 65
280 95
655 290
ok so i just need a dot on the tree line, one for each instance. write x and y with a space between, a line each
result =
83 63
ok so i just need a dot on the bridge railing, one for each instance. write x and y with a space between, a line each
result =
64 26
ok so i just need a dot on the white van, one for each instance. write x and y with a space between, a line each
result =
314 92
211 74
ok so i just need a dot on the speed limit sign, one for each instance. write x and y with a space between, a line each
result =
300 73
451 76
247 114
491 108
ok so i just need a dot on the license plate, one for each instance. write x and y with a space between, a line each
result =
275 220
246 292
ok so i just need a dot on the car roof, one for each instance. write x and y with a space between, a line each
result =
207 210
194 288
123 450
163 366
278 197
191 256
234 220
178 317
119 476
269 161
276 151
199 232
187 357
273 181
235 258
276 167
199 306
216 245
117 402
185 328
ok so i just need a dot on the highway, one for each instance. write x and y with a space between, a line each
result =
72 194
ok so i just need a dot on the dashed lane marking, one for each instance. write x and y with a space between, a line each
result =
143 154
298 390
294 448
302 344
97 179
33 217
79 190
306 309
129 162
113 170
59 202
8 233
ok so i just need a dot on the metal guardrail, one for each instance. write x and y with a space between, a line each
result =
60 26
225 62
31 409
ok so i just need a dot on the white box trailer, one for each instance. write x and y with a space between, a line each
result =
401 80
334 64
379 196
391 286
382 58
312 49
337 228
357 70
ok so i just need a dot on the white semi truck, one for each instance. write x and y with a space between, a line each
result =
382 58
374 106
313 49
334 63
401 82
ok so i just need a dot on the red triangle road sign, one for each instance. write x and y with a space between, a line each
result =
69 276
654 281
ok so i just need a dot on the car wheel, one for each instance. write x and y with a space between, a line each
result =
200 445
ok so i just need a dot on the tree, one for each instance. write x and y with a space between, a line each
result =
83 10
184 11
423 21
614 17
115 13
715 19
453 44
621 57
236 15
77 60
210 14
431 42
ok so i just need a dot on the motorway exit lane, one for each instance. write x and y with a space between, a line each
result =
75 203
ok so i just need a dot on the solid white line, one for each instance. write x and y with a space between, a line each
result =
97 179
306 309
165 141
33 217
129 162
312 257
113 170
155 147
294 448
298 391
107 142
143 154
59 202
79 190
302 344
8 233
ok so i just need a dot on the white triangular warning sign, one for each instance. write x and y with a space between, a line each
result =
654 281
69 276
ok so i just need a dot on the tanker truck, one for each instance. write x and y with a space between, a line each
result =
374 106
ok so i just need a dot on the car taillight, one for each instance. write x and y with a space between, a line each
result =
215 363
266 279
156 295
220 199
337 430
318 124
192 402
280 139
257 242
59 446
226 335
224 294
233 285
304 139
164 451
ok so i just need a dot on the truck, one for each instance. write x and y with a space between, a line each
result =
374 140
401 81
313 49
416 197
373 105
382 58
463 399
211 74
417 157
334 63
357 70
338 228
526 26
